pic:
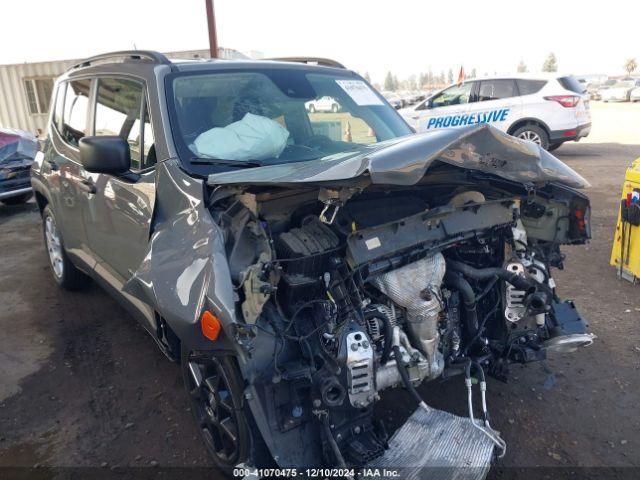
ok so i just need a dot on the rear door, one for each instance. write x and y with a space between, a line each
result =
446 109
497 102
66 177
118 214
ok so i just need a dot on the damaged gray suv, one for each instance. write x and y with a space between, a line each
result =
297 264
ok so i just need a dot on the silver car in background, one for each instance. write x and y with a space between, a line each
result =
620 91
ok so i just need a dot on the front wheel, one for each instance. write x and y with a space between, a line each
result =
534 134
215 389
64 271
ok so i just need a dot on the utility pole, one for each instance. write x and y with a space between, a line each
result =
211 22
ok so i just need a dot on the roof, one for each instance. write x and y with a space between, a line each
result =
142 58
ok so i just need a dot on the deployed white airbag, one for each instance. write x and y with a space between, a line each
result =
252 138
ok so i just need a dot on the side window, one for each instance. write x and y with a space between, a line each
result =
496 90
456 95
529 87
59 106
74 114
118 110
38 92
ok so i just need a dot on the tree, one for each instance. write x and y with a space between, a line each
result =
422 80
388 82
521 67
630 66
367 77
550 64
473 73
450 76
411 82
396 84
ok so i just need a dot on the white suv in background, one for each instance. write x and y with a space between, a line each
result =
323 104
548 110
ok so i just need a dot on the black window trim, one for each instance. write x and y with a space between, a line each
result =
66 81
60 85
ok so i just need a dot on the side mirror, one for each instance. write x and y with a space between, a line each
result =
108 154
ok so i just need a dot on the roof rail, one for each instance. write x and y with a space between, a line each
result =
325 62
154 57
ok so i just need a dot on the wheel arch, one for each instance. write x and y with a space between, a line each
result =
528 121
42 199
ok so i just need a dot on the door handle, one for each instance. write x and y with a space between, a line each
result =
53 165
88 186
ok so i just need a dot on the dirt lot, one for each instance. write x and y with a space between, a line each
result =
83 386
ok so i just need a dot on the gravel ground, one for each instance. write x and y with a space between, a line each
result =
83 386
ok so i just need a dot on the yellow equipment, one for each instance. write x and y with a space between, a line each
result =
625 253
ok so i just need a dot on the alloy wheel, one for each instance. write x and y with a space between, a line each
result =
531 136
212 401
54 246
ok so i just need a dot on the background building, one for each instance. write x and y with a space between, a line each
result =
25 88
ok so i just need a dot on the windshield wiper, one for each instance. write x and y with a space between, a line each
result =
230 163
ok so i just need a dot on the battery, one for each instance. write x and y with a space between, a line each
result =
625 252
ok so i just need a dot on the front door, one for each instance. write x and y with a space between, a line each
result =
444 110
118 214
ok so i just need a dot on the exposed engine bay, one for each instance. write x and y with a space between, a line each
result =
346 292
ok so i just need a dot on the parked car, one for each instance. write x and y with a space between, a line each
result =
620 91
296 276
394 99
634 96
17 151
596 94
545 109
323 104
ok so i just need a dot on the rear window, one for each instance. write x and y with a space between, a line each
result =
59 106
570 83
529 87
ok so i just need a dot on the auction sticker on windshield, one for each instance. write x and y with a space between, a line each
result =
359 92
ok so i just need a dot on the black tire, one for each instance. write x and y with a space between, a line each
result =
18 199
533 133
553 146
335 108
63 270
312 109
222 387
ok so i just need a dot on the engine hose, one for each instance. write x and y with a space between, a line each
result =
388 331
492 434
458 282
404 374
518 281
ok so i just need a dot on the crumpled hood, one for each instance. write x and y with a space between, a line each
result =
406 160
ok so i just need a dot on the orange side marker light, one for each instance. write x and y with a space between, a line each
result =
210 325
